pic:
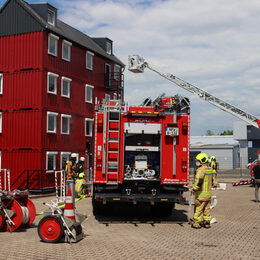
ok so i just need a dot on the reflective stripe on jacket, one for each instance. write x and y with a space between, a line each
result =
203 182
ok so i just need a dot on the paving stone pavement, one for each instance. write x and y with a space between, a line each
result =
130 233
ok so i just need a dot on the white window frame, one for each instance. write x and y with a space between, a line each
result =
67 80
56 76
1 122
61 154
1 83
109 47
54 161
52 15
69 44
117 69
87 86
91 55
56 38
92 121
66 116
55 122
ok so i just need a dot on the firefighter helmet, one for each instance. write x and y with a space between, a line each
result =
202 158
73 155
82 159
212 158
82 175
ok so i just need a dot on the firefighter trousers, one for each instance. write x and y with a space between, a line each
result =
202 211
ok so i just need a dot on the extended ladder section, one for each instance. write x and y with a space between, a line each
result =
137 64
112 113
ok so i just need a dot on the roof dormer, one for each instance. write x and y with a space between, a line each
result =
46 11
106 44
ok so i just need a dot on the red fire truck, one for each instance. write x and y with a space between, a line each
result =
141 153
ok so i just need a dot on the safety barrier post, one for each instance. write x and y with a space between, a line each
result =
6 178
61 185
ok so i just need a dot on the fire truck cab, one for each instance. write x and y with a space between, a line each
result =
141 153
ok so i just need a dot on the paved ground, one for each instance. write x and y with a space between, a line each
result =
132 234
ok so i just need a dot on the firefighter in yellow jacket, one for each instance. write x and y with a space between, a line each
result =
71 167
80 181
214 166
204 181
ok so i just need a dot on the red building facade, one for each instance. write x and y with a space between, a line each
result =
51 76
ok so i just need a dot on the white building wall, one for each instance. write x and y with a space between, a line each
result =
223 156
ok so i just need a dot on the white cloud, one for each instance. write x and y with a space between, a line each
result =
214 45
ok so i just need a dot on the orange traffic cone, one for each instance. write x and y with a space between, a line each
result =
69 210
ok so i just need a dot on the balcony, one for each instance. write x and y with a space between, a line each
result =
114 82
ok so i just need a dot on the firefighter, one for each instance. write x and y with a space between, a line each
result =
71 167
214 166
80 181
202 190
213 163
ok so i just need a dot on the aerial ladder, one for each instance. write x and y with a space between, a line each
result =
137 64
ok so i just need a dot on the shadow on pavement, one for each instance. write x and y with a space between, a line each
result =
138 214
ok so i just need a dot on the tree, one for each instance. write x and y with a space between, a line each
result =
228 132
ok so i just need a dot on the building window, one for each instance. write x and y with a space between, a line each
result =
53 44
1 123
89 126
52 83
64 157
250 144
66 46
107 76
65 124
89 60
51 122
51 17
1 83
107 97
89 94
65 87
109 48
51 161
117 72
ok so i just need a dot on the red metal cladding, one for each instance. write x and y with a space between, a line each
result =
58 141
26 54
21 129
18 161
21 89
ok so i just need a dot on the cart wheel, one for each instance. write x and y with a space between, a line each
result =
50 229
2 220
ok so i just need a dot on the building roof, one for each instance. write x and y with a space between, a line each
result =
214 139
212 146
61 29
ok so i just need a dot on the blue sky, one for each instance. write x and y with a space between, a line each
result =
214 45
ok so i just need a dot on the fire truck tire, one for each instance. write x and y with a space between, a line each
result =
98 208
50 229
2 220
162 209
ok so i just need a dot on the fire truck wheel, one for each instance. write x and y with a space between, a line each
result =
2 220
99 208
50 229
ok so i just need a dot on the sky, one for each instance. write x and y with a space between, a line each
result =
214 45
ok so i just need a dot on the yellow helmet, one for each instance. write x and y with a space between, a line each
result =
202 158
82 175
212 158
